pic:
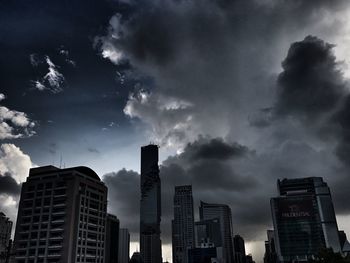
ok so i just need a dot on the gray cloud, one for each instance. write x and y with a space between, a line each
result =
8 185
312 82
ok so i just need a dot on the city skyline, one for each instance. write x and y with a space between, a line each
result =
237 94
59 203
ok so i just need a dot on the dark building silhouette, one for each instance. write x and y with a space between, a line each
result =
136 258
249 259
239 249
112 239
150 207
61 216
208 231
183 224
270 255
223 212
124 245
5 235
304 219
203 255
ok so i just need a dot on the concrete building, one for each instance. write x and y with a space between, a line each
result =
304 219
150 207
239 249
5 235
223 213
112 239
124 245
61 216
183 224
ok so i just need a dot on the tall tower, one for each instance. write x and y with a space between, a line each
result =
61 216
239 249
223 213
150 207
304 219
183 224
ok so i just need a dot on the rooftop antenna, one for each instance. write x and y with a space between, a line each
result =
60 160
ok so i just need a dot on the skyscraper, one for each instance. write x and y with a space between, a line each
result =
223 213
183 224
239 249
304 219
208 231
150 207
61 216
124 245
5 235
112 239
270 255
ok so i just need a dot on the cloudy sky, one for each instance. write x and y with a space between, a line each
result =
237 93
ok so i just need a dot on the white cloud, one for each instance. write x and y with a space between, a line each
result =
14 162
169 118
53 80
2 96
14 124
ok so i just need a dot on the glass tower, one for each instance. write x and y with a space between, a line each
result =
304 219
150 207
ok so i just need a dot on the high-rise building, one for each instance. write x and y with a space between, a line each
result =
61 216
124 245
270 255
208 231
183 224
304 219
5 235
239 249
223 213
112 239
150 207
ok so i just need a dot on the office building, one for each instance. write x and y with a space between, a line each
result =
208 231
124 245
223 213
239 249
112 239
304 219
150 207
5 235
270 255
183 224
61 216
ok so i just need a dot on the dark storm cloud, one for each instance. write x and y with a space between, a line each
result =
8 185
216 149
311 83
123 197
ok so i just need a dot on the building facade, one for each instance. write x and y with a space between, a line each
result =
183 224
208 231
112 239
124 245
150 206
270 255
61 217
304 219
5 235
239 249
223 213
